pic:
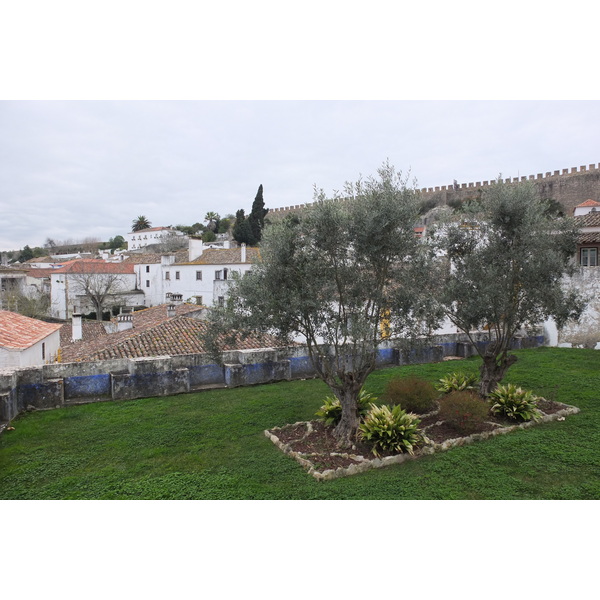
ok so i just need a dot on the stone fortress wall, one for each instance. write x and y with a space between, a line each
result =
570 187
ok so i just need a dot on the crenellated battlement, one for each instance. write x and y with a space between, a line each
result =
548 174
568 186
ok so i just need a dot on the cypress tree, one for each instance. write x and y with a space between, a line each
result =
257 215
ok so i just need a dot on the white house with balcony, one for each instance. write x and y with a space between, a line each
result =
153 235
200 275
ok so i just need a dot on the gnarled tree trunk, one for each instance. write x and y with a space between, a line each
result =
345 431
492 371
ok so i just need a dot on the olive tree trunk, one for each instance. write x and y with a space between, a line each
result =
492 371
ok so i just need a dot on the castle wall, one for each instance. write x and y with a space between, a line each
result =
570 187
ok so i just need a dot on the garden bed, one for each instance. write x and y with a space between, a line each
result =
312 443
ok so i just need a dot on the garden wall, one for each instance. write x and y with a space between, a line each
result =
63 384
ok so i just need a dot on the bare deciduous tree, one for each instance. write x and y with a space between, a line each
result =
97 288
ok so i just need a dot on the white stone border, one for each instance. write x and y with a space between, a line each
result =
364 464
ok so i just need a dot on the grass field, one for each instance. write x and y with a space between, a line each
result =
211 445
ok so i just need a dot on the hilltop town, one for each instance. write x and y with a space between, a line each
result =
99 292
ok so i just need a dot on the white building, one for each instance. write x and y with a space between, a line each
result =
200 275
117 281
152 235
26 342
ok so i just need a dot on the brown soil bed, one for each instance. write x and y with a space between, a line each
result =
314 444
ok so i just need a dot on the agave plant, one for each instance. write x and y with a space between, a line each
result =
331 411
456 382
390 429
514 403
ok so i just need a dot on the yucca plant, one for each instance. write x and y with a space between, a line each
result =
456 382
514 402
331 412
390 429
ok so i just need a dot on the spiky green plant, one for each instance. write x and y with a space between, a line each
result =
456 382
390 429
331 411
514 402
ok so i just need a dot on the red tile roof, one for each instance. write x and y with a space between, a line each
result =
590 220
154 334
589 238
588 203
92 344
226 256
90 331
18 332
93 266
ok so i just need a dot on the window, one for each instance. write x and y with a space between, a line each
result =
221 301
589 257
147 268
43 351
198 275
176 274
168 275
218 274
224 273
147 283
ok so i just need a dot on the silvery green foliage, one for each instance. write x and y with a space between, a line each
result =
456 382
514 403
333 273
506 261
390 429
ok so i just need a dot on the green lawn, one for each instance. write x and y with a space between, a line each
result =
211 445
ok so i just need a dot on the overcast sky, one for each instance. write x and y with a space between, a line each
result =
75 169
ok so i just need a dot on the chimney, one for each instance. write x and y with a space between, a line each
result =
171 310
195 248
76 327
243 253
124 322
176 299
167 259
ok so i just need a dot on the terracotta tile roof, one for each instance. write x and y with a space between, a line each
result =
588 203
180 335
93 265
589 238
226 256
154 258
18 332
592 219
92 344
154 334
90 331
142 259
40 273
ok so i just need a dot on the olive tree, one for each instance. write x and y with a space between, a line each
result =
340 276
506 262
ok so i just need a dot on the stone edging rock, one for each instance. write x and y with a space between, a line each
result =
364 464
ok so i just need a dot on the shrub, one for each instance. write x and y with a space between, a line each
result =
515 403
412 393
456 382
390 429
331 412
463 411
